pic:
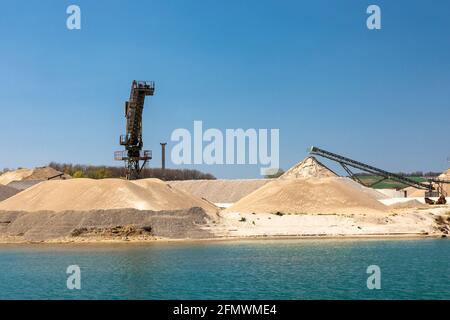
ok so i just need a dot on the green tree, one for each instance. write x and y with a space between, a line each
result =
78 174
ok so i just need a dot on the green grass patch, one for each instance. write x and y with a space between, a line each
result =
387 184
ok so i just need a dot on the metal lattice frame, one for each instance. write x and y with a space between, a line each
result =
347 162
132 140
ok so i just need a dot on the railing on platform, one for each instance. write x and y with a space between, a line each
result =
123 155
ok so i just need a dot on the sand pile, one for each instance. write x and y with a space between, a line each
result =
308 196
329 195
15 175
419 193
41 173
104 225
412 192
24 184
220 191
310 187
90 194
445 175
409 204
308 168
7 192
391 193
373 193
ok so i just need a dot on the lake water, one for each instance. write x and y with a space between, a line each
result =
282 269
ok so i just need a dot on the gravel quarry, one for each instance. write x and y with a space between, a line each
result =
107 209
308 200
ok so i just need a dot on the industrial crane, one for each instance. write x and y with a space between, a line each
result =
132 139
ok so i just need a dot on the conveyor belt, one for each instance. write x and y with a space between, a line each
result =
347 162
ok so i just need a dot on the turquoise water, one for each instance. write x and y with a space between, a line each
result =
282 269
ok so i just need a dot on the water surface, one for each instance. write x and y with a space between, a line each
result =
281 269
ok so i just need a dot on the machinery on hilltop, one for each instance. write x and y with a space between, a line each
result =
433 187
132 139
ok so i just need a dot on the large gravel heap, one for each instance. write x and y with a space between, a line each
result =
310 187
90 194
7 192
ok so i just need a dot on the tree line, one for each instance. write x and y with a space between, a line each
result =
103 172
408 174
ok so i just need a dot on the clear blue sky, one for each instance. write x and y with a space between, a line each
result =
310 68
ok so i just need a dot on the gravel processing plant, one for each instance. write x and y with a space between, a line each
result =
308 200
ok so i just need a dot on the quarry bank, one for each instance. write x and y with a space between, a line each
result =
308 200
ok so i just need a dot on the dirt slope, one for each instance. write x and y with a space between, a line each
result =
97 225
7 192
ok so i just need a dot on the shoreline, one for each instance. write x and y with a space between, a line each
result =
88 242
131 226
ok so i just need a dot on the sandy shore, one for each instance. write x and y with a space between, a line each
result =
195 226
102 241
156 240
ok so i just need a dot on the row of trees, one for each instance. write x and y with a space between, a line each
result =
410 174
102 172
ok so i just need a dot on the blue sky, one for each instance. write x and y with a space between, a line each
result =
310 68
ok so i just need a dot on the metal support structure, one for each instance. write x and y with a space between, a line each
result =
133 164
433 186
351 174
163 155
132 140
59 175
